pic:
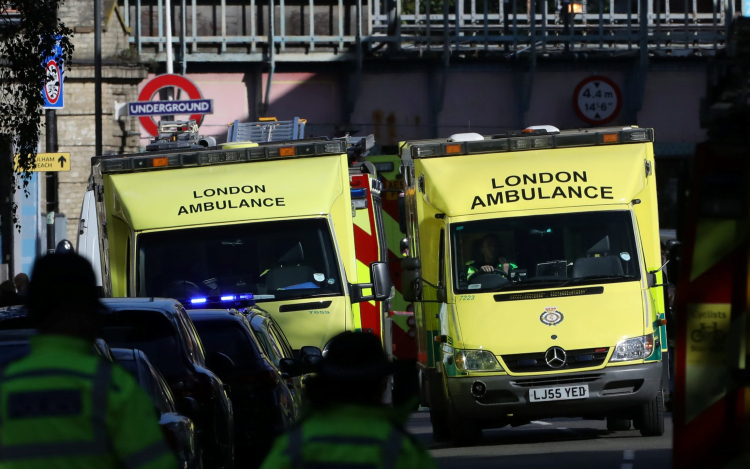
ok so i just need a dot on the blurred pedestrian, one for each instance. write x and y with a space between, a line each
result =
21 282
62 406
8 295
348 425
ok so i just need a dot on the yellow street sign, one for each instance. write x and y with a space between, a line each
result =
59 161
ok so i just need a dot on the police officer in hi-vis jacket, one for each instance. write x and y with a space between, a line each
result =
63 406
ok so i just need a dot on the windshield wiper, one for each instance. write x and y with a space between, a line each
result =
598 277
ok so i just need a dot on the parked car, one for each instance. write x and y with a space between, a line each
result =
163 331
264 405
295 365
14 344
16 330
178 429
102 348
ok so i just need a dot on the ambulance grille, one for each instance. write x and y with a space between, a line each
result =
557 380
535 363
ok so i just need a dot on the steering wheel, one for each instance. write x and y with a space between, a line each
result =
183 288
480 273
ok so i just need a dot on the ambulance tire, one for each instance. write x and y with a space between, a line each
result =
440 428
464 430
438 409
615 424
651 418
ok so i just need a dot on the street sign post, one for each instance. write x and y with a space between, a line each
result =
46 162
144 108
52 92
597 100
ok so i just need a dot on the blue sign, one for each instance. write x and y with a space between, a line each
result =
166 108
53 80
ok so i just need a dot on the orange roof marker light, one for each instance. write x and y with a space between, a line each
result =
452 149
286 151
610 138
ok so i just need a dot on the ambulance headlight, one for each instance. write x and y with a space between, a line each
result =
476 360
637 348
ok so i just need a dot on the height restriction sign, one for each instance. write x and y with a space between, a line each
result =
52 92
597 100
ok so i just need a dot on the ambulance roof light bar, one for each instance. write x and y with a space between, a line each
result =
191 157
538 138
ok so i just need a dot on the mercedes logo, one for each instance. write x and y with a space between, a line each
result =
555 357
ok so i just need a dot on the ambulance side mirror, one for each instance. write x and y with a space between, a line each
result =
380 287
411 283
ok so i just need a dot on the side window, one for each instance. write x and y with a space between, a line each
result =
127 267
192 341
281 340
274 345
162 399
441 259
265 342
149 384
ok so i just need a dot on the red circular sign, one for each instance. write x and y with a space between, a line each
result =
597 100
52 82
164 81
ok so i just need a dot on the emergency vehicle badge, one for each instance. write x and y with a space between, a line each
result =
551 316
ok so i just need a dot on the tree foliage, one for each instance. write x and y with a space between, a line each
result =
29 30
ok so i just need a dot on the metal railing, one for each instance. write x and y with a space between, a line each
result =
303 30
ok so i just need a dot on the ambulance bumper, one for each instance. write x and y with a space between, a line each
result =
612 391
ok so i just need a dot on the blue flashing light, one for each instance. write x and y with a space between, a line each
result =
196 301
228 298
359 193
247 296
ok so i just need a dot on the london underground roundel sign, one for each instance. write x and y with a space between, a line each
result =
597 100
165 81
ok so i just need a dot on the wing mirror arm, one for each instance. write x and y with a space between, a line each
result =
652 277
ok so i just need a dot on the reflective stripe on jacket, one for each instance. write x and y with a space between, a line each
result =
64 407
348 437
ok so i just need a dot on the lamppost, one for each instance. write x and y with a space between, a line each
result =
568 11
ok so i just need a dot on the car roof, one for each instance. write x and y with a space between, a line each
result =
213 315
166 306
123 354
17 334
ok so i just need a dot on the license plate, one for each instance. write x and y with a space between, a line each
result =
559 393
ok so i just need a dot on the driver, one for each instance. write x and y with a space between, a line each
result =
489 259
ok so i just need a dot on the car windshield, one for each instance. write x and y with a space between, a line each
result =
149 332
232 340
272 260
518 253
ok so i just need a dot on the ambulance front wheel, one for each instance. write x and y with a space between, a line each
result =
465 431
438 409
440 427
650 420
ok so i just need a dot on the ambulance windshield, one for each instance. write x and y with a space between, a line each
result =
271 260
544 251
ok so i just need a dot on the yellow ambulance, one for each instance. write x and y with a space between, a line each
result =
535 275
230 226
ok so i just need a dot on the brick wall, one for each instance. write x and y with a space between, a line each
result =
121 74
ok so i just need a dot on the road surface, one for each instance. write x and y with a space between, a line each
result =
554 444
